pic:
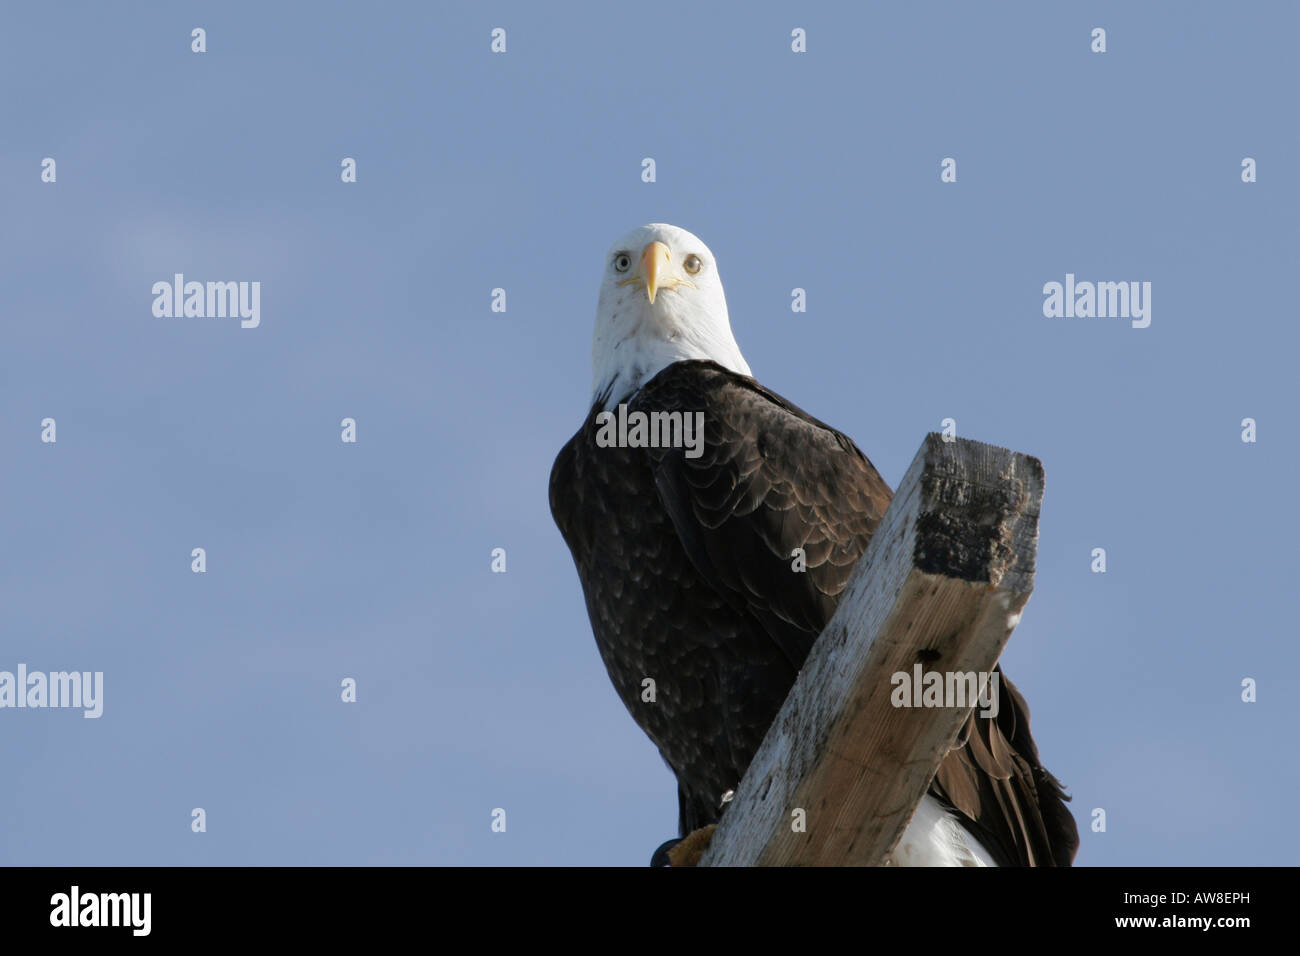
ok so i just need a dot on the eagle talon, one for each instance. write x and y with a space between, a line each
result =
689 849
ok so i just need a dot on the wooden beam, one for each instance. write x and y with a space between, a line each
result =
942 584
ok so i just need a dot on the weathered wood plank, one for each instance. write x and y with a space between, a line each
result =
942 584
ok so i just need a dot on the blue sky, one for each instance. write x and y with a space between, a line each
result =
372 560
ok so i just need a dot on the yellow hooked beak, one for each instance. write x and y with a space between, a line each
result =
657 271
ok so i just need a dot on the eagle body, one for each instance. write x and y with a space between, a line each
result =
721 639
709 571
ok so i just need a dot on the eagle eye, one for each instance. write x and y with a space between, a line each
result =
693 264
622 262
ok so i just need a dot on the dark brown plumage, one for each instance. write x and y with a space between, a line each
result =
686 568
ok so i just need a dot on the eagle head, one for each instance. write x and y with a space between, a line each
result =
661 301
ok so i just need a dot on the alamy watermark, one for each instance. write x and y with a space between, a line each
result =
210 300
651 430
959 689
1102 300
83 689
76 908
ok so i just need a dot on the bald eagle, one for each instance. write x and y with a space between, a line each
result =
683 551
